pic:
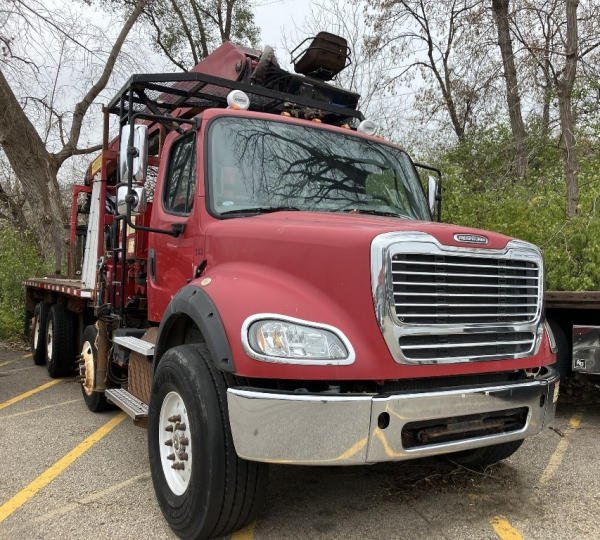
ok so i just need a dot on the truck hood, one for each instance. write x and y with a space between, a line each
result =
317 267
281 236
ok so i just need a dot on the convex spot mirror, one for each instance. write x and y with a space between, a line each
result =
140 158
433 186
138 199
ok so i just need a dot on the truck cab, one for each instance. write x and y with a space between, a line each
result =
270 286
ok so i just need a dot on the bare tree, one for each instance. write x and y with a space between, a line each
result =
561 40
446 45
565 82
500 9
28 151
186 31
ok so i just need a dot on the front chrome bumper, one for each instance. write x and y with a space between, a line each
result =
326 429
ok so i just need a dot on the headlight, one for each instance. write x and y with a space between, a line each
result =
293 341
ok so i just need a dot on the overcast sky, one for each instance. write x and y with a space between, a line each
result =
276 17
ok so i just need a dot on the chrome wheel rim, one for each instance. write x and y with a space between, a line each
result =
87 377
36 332
49 334
175 443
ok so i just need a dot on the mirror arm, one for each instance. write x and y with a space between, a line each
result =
176 228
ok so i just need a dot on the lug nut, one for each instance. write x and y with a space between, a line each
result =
171 457
184 441
178 466
175 418
182 456
169 428
169 442
180 426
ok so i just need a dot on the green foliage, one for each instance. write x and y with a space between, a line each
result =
19 260
481 191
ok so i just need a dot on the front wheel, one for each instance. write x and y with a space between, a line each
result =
204 490
480 458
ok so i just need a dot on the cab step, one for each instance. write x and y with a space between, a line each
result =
135 344
127 402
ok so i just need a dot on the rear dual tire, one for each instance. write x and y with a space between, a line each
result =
95 401
60 341
38 333
203 488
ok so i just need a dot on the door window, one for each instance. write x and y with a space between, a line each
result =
180 184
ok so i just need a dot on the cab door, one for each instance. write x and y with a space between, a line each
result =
172 259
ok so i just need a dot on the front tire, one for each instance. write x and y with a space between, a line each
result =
60 342
203 488
480 458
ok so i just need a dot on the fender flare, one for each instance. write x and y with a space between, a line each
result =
195 303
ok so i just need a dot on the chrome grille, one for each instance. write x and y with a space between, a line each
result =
446 304
450 289
452 347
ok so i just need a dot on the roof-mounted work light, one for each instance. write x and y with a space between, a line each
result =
236 99
368 127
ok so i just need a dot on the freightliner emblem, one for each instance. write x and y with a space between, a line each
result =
471 238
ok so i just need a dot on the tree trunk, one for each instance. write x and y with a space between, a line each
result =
500 8
547 82
567 122
34 167
567 119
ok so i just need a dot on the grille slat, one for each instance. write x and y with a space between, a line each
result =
448 304
455 291
456 274
497 266
472 344
437 284
462 295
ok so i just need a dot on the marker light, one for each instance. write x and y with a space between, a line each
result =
368 127
236 99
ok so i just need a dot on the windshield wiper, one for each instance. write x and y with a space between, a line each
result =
261 210
373 212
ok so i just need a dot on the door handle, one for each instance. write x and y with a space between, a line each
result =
152 264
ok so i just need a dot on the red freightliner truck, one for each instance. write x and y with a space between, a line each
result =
258 278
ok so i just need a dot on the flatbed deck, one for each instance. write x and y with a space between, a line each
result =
572 299
73 287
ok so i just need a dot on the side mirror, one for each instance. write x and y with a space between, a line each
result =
433 186
137 197
140 149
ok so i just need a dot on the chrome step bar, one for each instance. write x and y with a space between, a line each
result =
127 402
135 344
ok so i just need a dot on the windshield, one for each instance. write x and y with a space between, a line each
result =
261 166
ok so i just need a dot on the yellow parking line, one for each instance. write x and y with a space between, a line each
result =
50 474
561 448
504 529
2 364
38 409
247 533
29 393
65 509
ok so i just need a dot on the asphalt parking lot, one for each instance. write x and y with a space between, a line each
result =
68 473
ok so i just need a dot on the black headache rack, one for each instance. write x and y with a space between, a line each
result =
162 93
